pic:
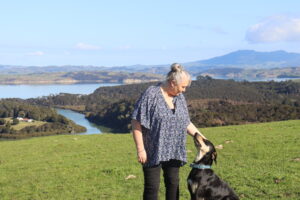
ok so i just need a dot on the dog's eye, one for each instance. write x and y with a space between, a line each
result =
197 144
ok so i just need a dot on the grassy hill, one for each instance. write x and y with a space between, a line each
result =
260 161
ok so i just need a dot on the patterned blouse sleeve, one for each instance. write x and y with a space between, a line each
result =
142 109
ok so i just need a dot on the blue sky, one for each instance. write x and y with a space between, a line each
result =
115 32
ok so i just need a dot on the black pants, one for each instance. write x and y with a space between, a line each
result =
171 179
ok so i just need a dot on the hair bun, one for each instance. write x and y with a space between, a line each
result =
177 74
176 67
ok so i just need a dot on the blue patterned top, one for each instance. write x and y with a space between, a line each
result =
164 131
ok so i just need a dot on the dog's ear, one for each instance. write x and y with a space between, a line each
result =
196 139
214 156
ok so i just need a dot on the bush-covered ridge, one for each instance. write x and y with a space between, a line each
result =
212 102
51 123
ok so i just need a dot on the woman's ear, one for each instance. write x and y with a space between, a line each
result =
173 84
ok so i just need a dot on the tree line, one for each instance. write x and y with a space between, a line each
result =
211 102
54 123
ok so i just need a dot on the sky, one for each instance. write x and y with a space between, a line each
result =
117 33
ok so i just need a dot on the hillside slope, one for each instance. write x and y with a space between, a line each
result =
211 102
260 161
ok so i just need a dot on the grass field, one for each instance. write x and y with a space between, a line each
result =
260 161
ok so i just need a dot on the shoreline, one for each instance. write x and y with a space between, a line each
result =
73 82
53 82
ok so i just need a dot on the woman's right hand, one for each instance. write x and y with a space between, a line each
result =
142 157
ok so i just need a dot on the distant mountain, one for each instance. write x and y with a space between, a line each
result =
250 57
246 59
232 63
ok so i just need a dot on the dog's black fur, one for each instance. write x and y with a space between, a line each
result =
204 184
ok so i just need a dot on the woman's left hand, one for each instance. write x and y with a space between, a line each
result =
142 156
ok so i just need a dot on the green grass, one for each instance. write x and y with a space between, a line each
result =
259 162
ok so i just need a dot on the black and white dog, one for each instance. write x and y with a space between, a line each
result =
203 183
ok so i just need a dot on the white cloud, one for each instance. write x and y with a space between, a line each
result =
84 46
276 28
36 53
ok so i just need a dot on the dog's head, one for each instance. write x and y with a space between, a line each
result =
206 151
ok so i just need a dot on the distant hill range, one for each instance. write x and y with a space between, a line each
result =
249 64
79 77
253 59
242 64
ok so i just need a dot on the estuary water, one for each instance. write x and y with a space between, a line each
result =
79 118
34 91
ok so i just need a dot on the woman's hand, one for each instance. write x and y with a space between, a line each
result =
142 157
191 129
138 139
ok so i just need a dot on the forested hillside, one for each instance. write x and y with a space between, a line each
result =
18 119
211 102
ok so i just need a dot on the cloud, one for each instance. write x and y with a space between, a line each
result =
36 53
84 46
278 28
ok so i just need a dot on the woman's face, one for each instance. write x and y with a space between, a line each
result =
180 87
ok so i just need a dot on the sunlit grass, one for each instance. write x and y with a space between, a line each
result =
260 161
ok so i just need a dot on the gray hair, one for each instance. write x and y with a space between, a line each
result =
176 74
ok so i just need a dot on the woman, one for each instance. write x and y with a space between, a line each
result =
160 122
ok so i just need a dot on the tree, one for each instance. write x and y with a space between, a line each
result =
8 125
2 121
21 114
15 121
